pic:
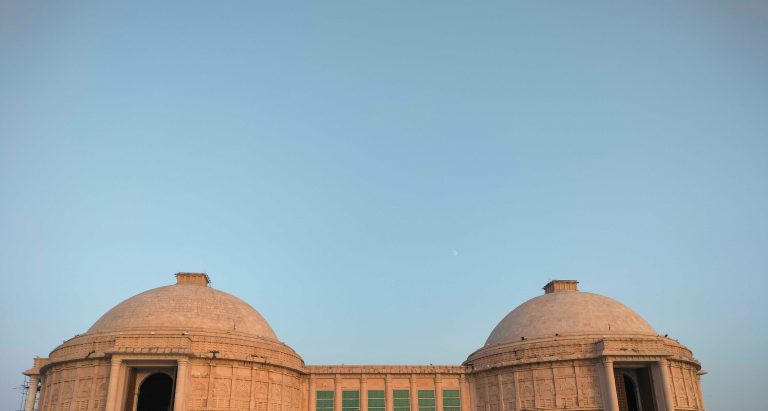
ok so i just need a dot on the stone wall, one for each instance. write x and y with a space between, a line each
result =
568 384
236 385
79 386
686 387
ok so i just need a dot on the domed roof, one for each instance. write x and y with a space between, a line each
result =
189 305
566 311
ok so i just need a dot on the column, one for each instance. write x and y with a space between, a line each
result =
439 393
312 393
465 394
666 381
414 394
610 397
181 385
251 403
501 392
114 375
363 394
389 402
337 393
32 392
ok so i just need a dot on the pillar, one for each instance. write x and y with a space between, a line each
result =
32 392
414 394
181 385
465 393
312 393
114 375
389 402
363 394
666 382
337 393
610 397
439 393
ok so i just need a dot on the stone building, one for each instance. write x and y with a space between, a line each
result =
191 347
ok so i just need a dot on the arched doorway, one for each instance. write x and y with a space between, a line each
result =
630 390
634 389
155 393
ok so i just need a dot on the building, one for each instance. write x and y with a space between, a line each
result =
191 347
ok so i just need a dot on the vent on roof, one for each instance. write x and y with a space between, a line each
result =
200 279
556 286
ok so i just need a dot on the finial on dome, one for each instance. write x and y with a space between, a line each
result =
556 286
200 279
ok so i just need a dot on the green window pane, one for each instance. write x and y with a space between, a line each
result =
376 400
401 400
350 394
401 394
350 400
324 401
451 394
426 400
451 400
426 394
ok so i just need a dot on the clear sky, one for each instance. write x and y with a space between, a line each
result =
384 181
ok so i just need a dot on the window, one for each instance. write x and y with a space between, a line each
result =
350 400
376 400
402 400
324 401
451 400
426 400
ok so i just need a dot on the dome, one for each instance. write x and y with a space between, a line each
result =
189 305
566 311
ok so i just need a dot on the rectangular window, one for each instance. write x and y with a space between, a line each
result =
451 400
402 400
324 401
350 401
426 400
376 400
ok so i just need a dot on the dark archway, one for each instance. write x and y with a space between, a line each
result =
155 393
631 393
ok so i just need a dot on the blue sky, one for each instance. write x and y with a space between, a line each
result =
385 181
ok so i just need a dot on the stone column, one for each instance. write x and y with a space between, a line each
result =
610 397
465 394
337 393
32 392
363 394
114 375
389 402
666 382
438 393
181 385
312 394
414 394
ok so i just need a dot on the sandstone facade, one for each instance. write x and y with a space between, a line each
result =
563 350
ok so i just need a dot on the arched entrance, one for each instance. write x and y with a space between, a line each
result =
630 390
634 389
155 393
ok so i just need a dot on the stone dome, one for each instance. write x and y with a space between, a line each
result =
189 305
565 311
